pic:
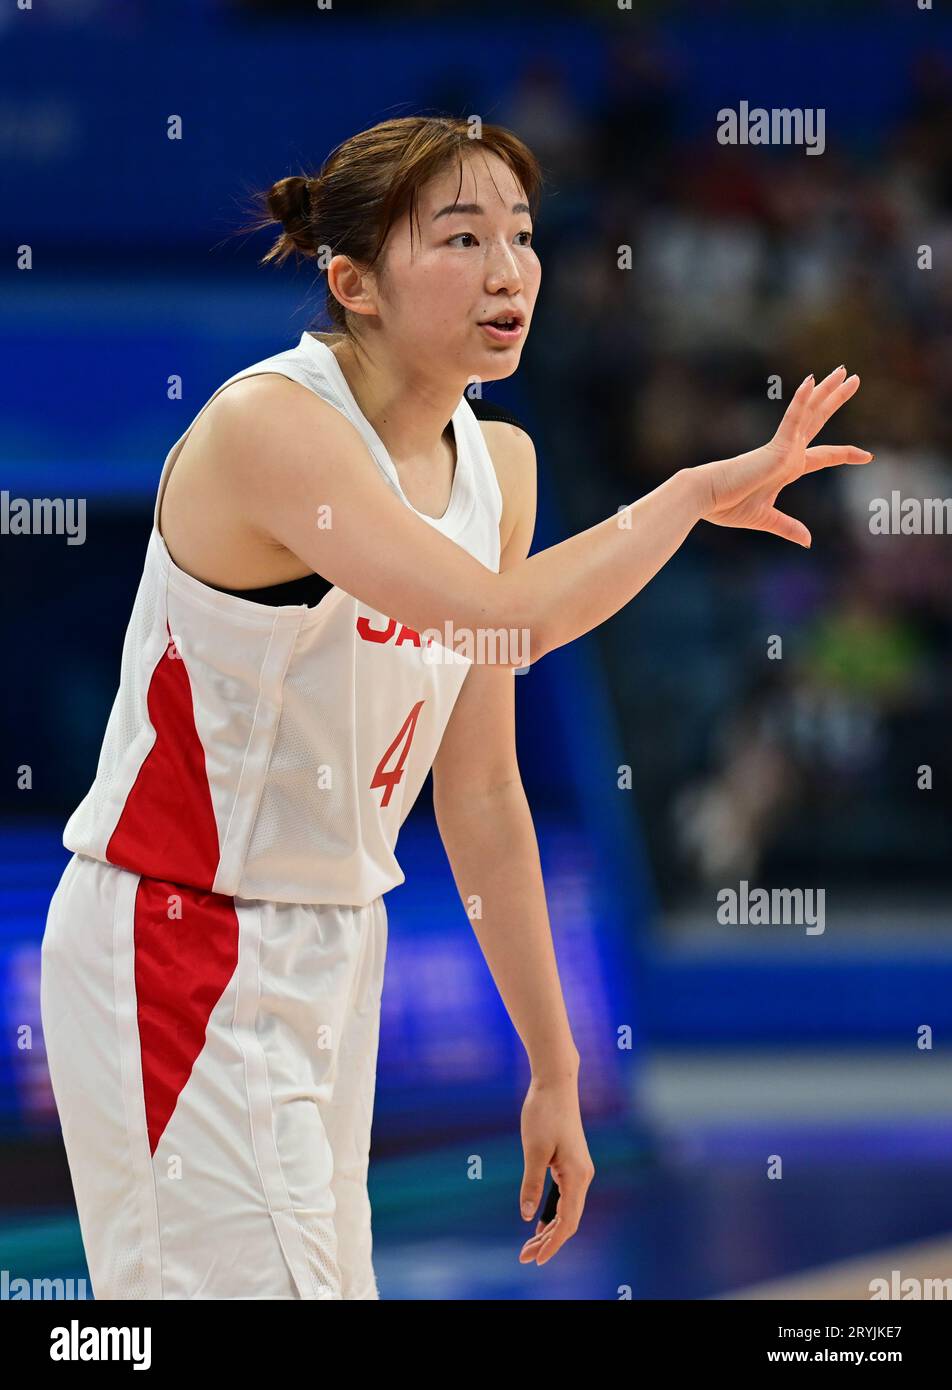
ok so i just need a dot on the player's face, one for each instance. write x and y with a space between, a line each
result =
466 267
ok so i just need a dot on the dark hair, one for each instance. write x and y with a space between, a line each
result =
364 185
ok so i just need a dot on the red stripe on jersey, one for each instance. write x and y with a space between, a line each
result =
186 950
167 827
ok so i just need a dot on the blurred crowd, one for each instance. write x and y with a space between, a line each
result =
824 758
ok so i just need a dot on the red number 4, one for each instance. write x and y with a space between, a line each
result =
389 779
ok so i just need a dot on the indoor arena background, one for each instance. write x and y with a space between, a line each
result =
760 715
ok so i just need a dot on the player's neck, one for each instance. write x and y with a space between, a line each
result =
409 411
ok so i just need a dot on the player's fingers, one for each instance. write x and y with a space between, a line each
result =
533 1181
820 410
821 394
534 1243
779 524
831 455
793 419
568 1213
561 1229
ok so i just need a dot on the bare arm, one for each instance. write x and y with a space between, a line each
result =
487 830
298 462
485 822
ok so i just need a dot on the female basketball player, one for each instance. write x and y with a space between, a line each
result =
333 520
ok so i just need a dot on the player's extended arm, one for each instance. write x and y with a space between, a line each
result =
327 503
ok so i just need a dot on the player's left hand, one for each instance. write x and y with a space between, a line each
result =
742 491
552 1137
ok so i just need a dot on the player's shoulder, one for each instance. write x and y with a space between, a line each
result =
268 413
267 434
503 426
259 390
509 443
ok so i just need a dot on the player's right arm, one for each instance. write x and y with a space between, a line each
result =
297 459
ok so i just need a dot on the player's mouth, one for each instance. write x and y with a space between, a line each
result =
505 327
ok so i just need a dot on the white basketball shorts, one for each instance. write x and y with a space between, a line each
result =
213 1062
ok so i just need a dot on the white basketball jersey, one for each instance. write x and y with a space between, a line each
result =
274 752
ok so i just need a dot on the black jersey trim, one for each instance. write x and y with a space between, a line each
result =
309 589
489 410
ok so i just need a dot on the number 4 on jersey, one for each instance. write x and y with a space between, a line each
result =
389 779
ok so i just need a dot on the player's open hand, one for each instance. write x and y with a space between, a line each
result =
552 1137
742 491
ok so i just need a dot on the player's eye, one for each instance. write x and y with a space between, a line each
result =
472 237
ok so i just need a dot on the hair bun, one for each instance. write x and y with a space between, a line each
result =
289 202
